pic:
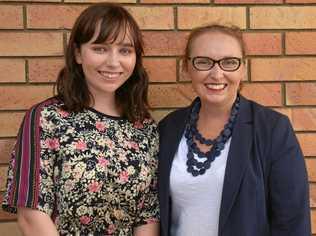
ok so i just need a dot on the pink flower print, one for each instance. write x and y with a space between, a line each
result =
124 176
81 145
138 125
52 143
85 220
132 145
103 162
95 187
141 204
111 229
63 113
100 126
109 143
152 220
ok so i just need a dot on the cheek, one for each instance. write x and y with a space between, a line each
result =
130 64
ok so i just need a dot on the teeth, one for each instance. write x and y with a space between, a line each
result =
215 86
110 75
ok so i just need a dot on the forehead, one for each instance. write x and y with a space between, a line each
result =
117 35
216 45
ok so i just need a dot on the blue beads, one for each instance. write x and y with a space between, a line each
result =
196 167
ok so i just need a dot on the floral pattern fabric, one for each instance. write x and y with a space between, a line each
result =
97 173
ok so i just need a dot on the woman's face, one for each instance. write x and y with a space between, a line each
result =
106 66
216 86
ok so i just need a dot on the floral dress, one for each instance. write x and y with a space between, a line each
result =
92 173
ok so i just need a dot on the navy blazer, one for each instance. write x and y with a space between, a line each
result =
265 188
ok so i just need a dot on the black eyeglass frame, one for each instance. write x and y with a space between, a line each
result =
193 59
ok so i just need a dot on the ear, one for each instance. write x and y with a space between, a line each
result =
78 55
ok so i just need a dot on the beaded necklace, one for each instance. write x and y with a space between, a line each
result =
198 167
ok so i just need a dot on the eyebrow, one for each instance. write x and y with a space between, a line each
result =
122 44
126 45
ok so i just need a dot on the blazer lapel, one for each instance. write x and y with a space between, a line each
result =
170 135
237 158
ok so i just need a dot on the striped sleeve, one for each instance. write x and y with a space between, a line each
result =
23 180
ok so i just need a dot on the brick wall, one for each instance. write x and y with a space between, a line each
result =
281 48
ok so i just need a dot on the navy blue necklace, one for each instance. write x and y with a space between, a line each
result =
198 167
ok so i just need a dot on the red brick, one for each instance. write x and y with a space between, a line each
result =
9 228
52 16
23 97
31 44
164 43
11 17
10 123
173 1
266 94
6 146
308 143
190 17
301 94
159 114
5 215
248 1
44 69
311 170
153 17
300 1
92 1
3 177
283 69
312 193
304 119
12 70
47 1
170 96
63 16
263 43
161 69
283 17
300 43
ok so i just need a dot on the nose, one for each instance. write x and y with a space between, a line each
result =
113 59
216 72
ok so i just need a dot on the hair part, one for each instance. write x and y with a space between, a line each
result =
111 19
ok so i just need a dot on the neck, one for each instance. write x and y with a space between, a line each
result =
213 117
211 112
107 105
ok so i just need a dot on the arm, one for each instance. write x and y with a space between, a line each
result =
151 229
288 184
33 222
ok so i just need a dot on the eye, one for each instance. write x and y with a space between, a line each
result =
202 61
230 62
126 50
99 49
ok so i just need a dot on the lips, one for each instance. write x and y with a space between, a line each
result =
217 86
110 75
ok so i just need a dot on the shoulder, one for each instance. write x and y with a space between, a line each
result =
267 117
47 111
47 105
148 126
179 115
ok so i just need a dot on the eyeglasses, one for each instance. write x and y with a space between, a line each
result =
206 63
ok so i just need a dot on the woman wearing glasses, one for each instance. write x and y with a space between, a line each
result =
228 166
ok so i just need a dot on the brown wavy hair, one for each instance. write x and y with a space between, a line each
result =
71 85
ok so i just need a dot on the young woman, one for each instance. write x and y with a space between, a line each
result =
85 160
227 165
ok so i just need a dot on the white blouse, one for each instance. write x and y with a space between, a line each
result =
196 200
